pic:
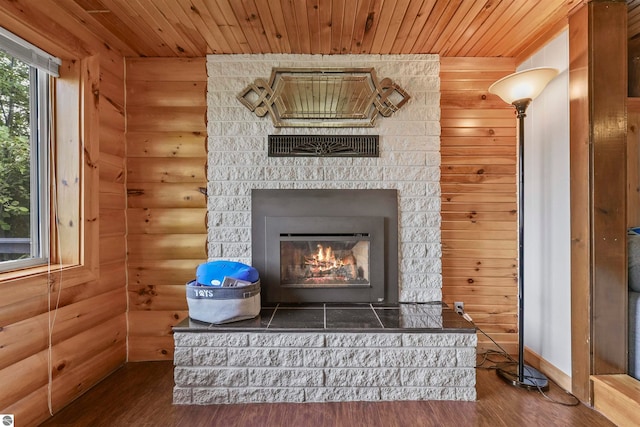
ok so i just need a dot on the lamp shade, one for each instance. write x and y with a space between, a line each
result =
525 84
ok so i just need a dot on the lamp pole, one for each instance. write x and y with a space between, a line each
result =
521 107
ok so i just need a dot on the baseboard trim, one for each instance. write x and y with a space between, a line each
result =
544 366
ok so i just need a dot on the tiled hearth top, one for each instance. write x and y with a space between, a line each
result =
409 317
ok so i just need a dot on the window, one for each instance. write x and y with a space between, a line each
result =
25 74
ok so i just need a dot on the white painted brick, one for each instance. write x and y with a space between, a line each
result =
418 393
364 340
412 281
182 356
266 395
406 158
418 357
236 173
466 394
421 234
209 396
236 159
434 250
287 173
275 377
286 340
219 145
181 395
420 322
207 376
439 340
241 203
234 219
230 234
357 161
414 219
214 249
227 113
295 161
342 358
265 357
362 377
446 377
414 250
234 250
209 356
353 174
466 357
421 265
203 339
434 310
416 204
409 144
342 394
420 295
413 189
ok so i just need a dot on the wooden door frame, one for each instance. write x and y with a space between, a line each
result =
598 123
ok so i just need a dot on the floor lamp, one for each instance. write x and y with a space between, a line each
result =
519 89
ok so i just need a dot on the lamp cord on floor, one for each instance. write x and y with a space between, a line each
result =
486 357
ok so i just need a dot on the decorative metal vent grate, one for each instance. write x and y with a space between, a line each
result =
323 145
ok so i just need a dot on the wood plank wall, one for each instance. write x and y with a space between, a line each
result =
479 200
88 338
166 171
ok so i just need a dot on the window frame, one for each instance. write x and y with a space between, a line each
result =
75 150
39 141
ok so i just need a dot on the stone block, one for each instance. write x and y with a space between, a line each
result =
286 340
438 377
466 394
418 357
209 377
363 340
204 339
342 358
342 394
182 356
418 393
439 340
276 377
210 396
265 357
361 377
209 356
181 395
266 395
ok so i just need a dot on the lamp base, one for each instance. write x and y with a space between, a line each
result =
531 380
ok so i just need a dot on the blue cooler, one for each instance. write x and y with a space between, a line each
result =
223 292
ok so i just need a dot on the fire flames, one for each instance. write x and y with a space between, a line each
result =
324 262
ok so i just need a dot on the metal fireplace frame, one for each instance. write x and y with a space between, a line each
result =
277 213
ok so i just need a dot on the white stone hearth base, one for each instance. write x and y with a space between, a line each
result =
259 367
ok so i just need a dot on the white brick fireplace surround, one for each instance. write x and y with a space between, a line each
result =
229 364
409 159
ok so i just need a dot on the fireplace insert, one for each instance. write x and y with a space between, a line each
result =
326 245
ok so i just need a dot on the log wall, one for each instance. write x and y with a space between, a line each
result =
479 200
166 177
62 332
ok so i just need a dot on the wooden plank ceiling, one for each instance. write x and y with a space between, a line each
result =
194 28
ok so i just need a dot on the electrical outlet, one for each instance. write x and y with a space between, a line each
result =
458 306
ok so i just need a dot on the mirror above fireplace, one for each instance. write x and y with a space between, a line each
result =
323 97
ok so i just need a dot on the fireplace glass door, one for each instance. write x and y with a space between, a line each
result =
324 261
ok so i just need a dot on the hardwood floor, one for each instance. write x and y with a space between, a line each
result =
139 394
